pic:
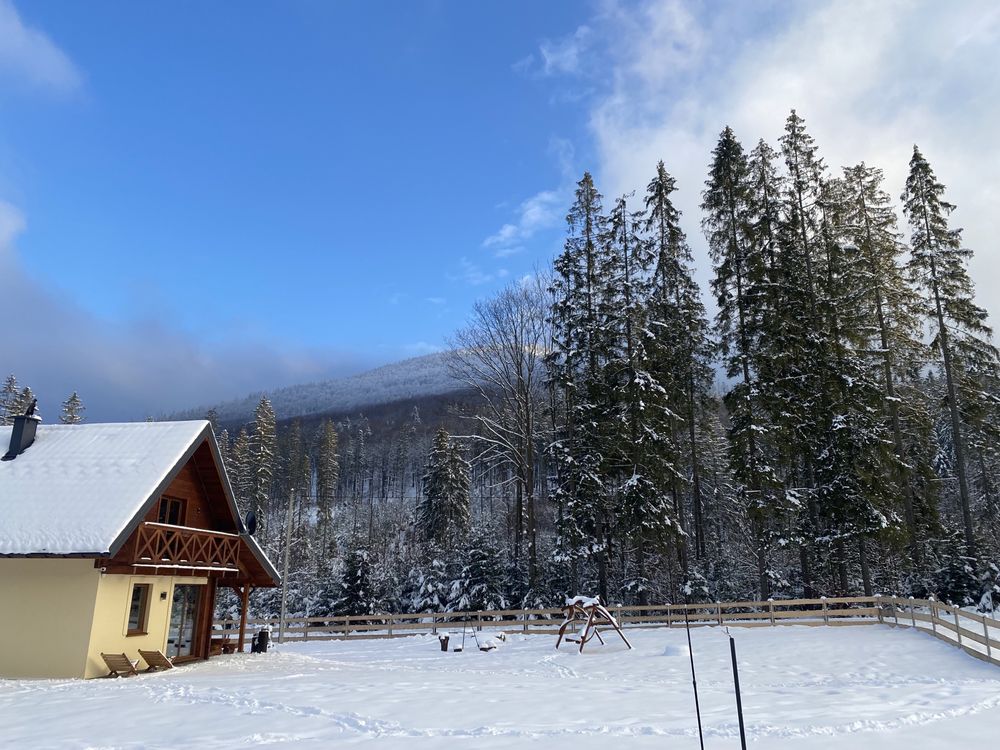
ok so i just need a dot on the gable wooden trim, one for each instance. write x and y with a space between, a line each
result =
206 435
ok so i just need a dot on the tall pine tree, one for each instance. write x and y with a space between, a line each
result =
961 338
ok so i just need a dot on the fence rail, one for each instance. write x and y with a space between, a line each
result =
974 633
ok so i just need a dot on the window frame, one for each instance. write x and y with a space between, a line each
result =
166 502
142 626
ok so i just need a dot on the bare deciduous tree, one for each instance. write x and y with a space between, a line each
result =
500 356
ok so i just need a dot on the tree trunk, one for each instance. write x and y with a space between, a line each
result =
956 426
866 573
903 478
956 429
762 582
699 531
845 588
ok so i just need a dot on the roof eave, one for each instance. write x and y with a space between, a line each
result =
86 555
262 558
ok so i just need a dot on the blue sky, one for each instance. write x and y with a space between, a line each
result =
311 172
198 200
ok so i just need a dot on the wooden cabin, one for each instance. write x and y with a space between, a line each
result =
115 538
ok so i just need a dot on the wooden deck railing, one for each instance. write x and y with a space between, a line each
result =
976 634
161 544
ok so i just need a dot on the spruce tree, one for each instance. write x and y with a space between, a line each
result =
72 409
741 290
429 584
357 595
680 348
22 403
961 340
8 399
802 370
327 477
889 304
213 419
579 353
241 471
481 584
222 440
262 462
443 511
638 418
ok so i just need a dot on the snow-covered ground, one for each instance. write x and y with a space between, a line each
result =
803 687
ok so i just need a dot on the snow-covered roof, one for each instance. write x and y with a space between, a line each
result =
77 487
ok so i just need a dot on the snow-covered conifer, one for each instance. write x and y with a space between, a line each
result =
262 462
9 395
961 338
72 409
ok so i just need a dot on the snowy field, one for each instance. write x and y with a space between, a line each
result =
803 687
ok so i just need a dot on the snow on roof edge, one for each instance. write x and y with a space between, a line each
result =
105 473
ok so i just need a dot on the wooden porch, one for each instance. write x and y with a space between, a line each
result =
225 558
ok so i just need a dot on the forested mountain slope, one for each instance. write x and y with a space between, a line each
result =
411 379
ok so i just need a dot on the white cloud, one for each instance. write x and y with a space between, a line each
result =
29 56
871 79
565 55
435 300
136 368
524 65
471 273
541 211
12 223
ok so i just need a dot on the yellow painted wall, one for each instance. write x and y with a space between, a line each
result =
58 615
47 607
110 618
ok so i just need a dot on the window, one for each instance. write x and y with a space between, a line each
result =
171 511
138 609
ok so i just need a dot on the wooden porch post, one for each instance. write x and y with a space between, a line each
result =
243 617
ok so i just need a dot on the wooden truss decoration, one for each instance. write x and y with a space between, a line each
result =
180 546
588 610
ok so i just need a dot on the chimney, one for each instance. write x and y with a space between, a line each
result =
23 433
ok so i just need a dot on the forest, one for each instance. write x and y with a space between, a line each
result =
831 430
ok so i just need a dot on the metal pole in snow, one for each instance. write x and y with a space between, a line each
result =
694 682
284 567
739 699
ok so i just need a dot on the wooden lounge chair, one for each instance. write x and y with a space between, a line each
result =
119 665
156 660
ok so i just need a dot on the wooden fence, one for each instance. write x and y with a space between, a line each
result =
976 634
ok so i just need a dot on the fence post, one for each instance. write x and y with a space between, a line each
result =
913 617
826 617
479 618
986 634
347 627
305 630
434 625
895 613
390 624
525 613
670 608
934 614
718 606
770 609
958 627
878 607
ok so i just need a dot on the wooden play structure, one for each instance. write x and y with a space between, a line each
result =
593 615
